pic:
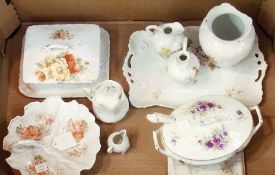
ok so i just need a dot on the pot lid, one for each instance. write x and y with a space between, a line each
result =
109 94
208 128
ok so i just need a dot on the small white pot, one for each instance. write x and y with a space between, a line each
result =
166 38
110 104
183 67
226 35
118 142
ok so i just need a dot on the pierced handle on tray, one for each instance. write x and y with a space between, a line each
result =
260 118
160 148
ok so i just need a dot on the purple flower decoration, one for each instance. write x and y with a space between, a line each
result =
201 107
174 141
209 144
217 141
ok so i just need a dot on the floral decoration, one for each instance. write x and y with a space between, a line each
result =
62 67
202 107
37 160
77 128
203 58
61 34
217 141
30 132
233 92
165 52
35 132
77 151
240 114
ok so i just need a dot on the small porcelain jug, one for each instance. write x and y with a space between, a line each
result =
166 38
226 35
183 66
118 142
110 104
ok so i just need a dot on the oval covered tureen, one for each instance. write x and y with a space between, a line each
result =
207 128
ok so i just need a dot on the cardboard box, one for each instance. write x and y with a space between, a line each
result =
120 18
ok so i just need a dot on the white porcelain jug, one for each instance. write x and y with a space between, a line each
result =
110 104
183 67
118 142
226 35
166 38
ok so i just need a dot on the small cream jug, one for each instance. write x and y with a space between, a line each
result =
166 38
110 104
226 35
183 67
118 142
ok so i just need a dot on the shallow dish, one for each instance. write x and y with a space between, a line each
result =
53 118
147 76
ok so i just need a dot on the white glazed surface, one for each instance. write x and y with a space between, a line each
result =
110 104
208 127
235 166
72 89
54 117
83 41
24 153
226 53
146 74
121 147
162 148
183 72
163 43
112 116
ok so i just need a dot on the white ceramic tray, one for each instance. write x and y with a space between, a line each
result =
70 90
146 74
234 166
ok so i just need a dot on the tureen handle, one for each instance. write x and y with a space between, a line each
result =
260 118
160 118
161 148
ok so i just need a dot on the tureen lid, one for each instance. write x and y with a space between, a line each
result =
208 128
108 94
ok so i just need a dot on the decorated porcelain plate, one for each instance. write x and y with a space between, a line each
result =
53 121
32 158
208 127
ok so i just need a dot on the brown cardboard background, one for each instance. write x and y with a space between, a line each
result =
110 10
8 19
142 158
